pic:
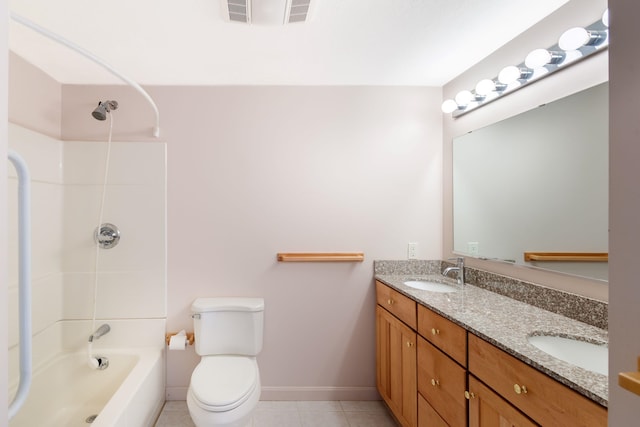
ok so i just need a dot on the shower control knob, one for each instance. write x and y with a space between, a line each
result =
107 236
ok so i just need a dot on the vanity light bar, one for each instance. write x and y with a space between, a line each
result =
574 45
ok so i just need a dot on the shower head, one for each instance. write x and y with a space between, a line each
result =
100 113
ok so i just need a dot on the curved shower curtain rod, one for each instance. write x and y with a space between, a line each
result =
57 38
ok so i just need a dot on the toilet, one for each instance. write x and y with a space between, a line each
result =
225 386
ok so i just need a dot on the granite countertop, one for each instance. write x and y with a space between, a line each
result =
506 323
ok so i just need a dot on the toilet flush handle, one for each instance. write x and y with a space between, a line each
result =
195 316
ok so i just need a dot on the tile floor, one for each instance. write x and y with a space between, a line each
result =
295 414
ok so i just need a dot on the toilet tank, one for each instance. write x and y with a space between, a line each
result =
228 325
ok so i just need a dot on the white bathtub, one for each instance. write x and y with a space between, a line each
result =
65 391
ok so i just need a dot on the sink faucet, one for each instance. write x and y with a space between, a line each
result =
102 330
458 268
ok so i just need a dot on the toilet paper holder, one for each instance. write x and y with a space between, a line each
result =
190 337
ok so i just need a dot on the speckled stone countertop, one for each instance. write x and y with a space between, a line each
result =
506 323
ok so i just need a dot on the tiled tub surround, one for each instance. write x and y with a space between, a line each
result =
502 321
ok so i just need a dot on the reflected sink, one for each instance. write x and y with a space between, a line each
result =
587 355
426 285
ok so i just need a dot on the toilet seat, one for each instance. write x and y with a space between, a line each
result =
222 383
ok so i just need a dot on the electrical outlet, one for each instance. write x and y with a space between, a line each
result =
473 248
412 251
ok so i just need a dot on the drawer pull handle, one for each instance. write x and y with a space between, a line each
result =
390 301
435 331
435 382
409 344
469 395
520 389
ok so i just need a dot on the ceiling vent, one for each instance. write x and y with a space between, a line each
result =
267 12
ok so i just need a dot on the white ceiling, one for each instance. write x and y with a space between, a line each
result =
347 42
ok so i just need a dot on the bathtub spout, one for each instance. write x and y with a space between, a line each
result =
102 330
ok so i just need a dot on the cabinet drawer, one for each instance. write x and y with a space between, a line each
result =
542 398
487 409
427 416
441 381
400 306
444 334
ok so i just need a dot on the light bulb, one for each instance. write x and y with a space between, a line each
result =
540 57
485 87
463 98
605 18
509 74
574 38
449 106
537 58
577 37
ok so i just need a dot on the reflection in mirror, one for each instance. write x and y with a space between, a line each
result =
536 182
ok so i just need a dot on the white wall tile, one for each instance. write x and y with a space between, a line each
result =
46 229
124 333
130 163
42 154
139 213
46 305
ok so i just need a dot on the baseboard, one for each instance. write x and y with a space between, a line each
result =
319 393
298 393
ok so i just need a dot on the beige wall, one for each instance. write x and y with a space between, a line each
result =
587 73
624 209
253 171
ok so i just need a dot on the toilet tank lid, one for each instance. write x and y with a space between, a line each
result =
203 305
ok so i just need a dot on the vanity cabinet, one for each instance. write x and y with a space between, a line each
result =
444 334
442 358
427 416
487 409
442 383
540 397
396 354
431 372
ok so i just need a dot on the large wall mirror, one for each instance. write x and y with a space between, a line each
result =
537 182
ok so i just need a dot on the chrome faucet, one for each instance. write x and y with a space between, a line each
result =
102 330
458 268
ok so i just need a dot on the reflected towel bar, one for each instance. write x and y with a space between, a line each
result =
630 380
567 256
321 257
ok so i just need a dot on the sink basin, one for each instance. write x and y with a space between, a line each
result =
426 285
590 356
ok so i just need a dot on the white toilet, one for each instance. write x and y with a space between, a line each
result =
225 386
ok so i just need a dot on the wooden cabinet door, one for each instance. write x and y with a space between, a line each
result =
396 367
487 409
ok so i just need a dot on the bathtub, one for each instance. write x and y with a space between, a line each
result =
66 392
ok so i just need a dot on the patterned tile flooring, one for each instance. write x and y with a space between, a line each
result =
295 414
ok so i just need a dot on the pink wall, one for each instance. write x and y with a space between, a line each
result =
36 99
624 209
253 171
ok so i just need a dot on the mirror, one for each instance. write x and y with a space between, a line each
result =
536 182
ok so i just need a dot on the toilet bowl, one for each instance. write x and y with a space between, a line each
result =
224 391
225 386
